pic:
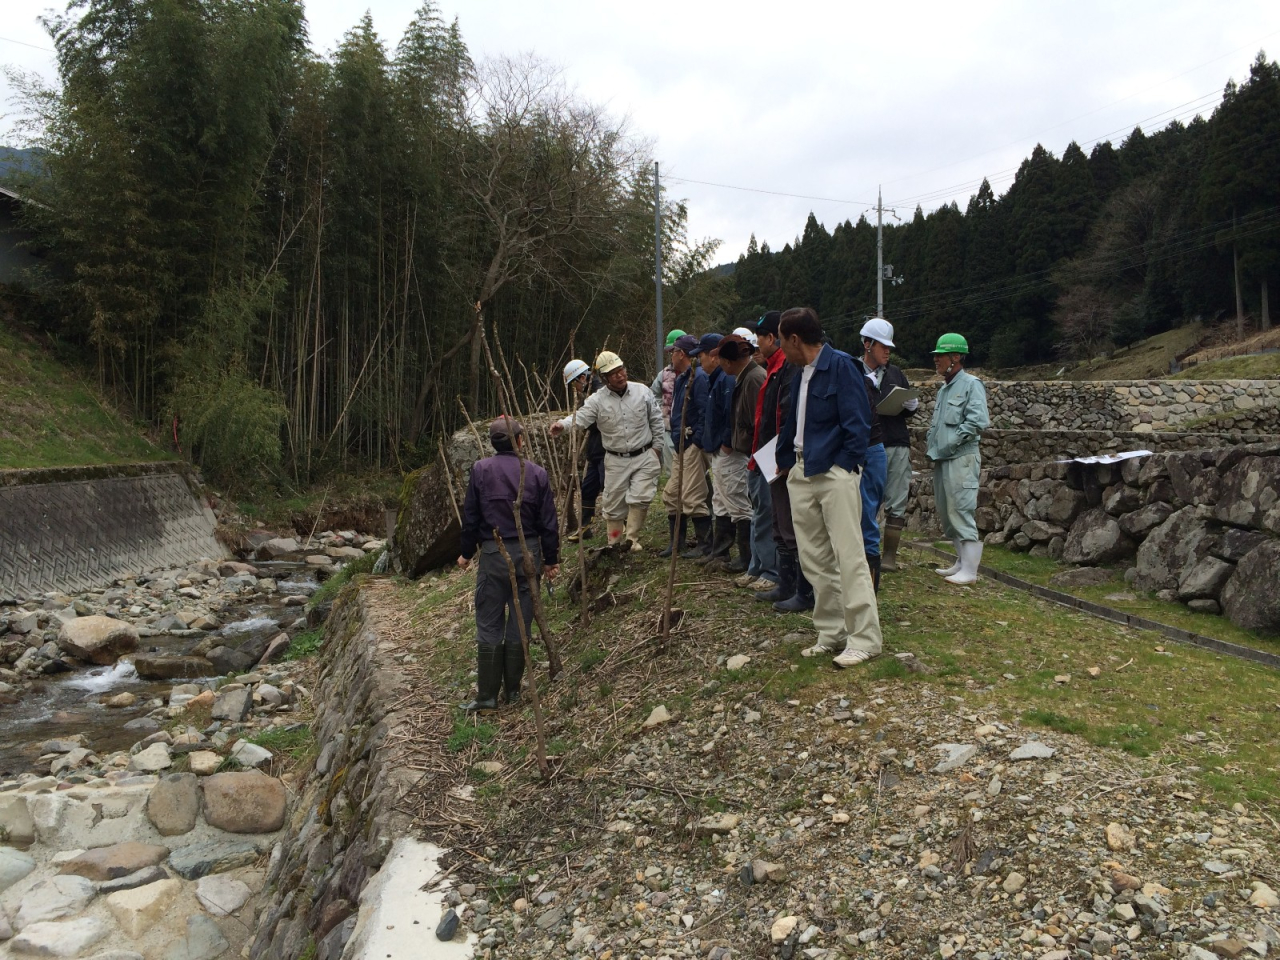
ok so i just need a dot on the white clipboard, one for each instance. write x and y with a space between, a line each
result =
894 401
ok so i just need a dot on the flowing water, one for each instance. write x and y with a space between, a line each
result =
63 705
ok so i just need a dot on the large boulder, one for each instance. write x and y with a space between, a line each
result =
428 532
1235 544
160 667
1204 580
1120 498
118 860
1141 522
1172 548
244 802
1095 539
1250 494
173 806
1062 505
98 640
1194 480
1250 598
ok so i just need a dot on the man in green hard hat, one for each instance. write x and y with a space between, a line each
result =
959 417
663 386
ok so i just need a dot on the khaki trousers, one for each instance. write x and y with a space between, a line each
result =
691 499
827 512
629 481
729 496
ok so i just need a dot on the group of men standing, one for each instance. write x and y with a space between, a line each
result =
779 460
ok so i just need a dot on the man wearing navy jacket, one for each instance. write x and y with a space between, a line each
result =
822 449
688 497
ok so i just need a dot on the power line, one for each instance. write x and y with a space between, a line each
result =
773 193
23 43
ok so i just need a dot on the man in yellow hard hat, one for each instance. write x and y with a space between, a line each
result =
630 423
959 417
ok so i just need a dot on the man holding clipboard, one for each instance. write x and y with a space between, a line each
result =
895 401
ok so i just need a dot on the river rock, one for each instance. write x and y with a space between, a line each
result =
244 802
204 762
151 760
226 660
277 547
173 806
1250 598
1032 750
221 895
118 860
232 705
203 941
1250 495
128 882
428 534
68 939
54 899
249 754
955 756
277 647
14 865
212 856
15 820
99 640
1096 538
160 667
138 910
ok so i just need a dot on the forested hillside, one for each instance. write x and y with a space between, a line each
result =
1082 251
287 251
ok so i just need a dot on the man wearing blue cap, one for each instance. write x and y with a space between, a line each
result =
685 494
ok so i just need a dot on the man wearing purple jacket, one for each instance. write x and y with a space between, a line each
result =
489 512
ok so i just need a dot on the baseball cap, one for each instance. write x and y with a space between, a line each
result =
769 322
687 343
505 428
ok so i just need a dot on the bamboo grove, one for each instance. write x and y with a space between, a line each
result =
288 255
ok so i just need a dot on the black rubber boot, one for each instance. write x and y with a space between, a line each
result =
786 588
720 544
489 667
584 532
873 562
890 537
672 542
702 525
513 671
742 533
802 599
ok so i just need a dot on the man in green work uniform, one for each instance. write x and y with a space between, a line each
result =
959 417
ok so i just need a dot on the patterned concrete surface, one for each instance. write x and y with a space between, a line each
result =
73 535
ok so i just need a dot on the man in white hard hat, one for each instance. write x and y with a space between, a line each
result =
877 341
579 378
630 423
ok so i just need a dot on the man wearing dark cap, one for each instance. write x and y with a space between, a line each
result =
792 593
488 516
685 494
730 470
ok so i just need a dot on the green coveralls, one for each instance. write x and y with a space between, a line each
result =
959 417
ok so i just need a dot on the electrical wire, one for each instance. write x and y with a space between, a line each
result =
23 43
774 193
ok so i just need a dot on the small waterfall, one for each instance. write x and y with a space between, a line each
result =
101 679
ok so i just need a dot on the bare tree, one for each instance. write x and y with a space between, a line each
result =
1085 318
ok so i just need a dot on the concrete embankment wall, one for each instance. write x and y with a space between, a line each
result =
78 528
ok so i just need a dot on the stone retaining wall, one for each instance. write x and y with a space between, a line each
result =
1003 447
81 528
1200 527
1137 406
346 819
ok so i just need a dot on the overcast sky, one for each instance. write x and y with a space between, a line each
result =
828 100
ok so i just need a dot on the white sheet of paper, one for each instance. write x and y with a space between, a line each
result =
766 459
893 401
1109 457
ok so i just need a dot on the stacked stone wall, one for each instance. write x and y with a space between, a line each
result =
1201 527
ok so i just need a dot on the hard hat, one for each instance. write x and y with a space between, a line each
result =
747 335
573 370
878 329
607 362
952 343
672 337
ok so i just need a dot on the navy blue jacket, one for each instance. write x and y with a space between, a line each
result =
697 407
837 420
717 424
491 499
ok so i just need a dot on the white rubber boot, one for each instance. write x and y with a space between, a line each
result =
614 528
635 523
970 558
955 567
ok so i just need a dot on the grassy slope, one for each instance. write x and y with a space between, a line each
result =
1001 650
50 417
1261 367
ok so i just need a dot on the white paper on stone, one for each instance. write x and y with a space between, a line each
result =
1109 457
766 459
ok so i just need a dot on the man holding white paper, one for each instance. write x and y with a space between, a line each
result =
885 377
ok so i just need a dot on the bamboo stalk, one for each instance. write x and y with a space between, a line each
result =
540 737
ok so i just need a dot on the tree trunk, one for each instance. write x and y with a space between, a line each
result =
1235 262
1266 309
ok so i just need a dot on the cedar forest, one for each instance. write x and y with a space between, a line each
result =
293 257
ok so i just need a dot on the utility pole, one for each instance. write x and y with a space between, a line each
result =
657 261
882 272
